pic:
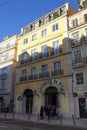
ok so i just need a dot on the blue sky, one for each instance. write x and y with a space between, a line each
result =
15 14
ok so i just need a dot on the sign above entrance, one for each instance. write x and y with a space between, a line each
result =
51 81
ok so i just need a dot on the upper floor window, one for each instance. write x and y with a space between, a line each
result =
44 68
34 52
55 27
25 57
33 70
77 56
34 37
79 78
75 38
75 22
24 72
56 47
36 25
44 49
85 17
57 65
44 32
25 41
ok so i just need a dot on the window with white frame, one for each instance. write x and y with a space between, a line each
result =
25 41
34 37
77 56
75 38
55 27
79 78
44 32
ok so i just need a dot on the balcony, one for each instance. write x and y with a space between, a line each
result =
56 52
78 62
24 62
33 77
23 78
44 75
33 58
43 55
57 72
75 43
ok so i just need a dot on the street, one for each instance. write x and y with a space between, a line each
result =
10 124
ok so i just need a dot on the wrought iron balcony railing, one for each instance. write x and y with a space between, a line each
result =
56 51
24 62
43 55
33 58
44 75
23 78
33 77
57 72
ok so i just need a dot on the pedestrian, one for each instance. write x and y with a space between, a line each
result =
41 112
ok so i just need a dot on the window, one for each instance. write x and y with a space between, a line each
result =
79 78
55 27
77 56
75 22
57 65
34 37
75 38
85 17
3 84
4 70
33 70
25 41
34 53
36 25
25 57
44 51
45 20
44 32
56 47
24 72
44 68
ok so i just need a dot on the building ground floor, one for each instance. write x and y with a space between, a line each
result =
30 96
6 104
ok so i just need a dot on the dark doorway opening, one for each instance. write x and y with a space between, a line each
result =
51 97
29 100
82 108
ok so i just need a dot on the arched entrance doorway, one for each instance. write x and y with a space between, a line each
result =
51 96
28 94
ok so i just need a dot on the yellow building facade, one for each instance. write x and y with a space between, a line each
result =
42 72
